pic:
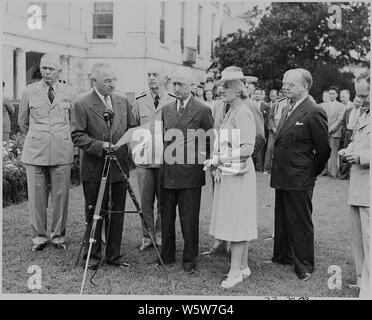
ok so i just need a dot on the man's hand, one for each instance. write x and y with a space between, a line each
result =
342 153
113 146
274 130
353 158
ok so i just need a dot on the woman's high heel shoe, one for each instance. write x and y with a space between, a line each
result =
245 272
231 281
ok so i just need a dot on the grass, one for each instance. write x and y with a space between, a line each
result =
60 276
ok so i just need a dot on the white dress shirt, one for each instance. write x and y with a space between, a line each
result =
185 102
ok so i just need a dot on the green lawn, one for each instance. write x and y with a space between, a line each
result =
60 276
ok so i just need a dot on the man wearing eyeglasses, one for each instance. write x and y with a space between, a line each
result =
91 134
301 151
182 175
147 108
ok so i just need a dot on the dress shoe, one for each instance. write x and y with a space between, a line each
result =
303 276
231 281
245 272
60 246
145 246
189 267
117 263
39 247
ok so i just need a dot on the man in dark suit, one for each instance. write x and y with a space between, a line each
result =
300 154
90 133
182 174
265 109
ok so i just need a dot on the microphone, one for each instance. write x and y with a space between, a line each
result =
108 114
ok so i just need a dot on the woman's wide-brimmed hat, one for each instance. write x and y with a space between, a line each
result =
230 73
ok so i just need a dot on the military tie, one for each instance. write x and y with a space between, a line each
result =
156 101
227 108
181 108
51 94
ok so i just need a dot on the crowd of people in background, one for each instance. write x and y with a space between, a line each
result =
342 114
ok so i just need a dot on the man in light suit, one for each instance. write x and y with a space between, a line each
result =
148 108
358 155
44 116
335 112
301 152
91 134
182 174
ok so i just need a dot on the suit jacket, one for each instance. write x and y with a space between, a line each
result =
46 125
8 111
181 174
89 131
219 113
144 111
359 173
301 147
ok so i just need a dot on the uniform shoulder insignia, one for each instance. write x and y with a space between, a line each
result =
172 95
142 94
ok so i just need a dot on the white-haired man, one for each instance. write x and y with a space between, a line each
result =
148 108
182 175
44 116
91 134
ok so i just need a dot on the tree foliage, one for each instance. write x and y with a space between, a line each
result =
295 34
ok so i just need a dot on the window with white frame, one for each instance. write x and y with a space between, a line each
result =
103 17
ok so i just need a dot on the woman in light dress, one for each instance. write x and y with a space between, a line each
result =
234 209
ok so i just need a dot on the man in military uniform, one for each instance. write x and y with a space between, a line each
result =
147 110
44 116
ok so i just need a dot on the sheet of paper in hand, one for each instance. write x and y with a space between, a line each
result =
137 137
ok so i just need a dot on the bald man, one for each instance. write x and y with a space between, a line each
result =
147 108
182 175
44 116
301 151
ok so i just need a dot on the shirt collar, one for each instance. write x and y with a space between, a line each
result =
185 102
101 96
298 102
54 86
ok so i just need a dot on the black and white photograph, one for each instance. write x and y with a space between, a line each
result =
185 150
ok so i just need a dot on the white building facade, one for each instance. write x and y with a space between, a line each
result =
128 34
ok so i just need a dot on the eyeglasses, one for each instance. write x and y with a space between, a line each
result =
154 74
180 84
288 85
108 81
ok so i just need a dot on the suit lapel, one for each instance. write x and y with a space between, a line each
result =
97 105
171 116
187 114
118 113
292 119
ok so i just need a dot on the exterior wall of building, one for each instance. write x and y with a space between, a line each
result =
68 31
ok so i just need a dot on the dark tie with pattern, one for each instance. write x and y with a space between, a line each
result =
227 108
156 101
290 110
181 108
51 94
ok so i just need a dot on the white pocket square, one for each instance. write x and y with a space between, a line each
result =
299 124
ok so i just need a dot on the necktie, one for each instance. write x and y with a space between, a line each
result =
290 110
51 94
181 108
108 102
156 101
227 108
